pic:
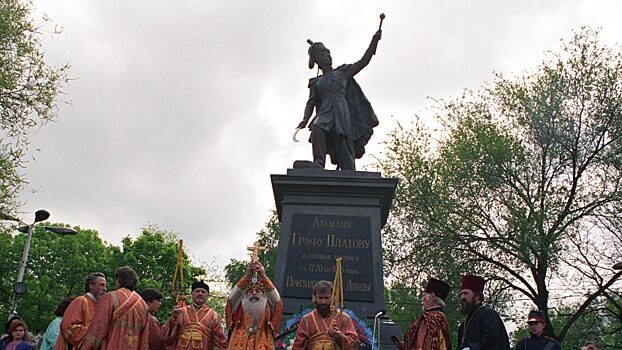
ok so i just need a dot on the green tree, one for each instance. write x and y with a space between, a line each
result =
523 186
6 270
268 237
56 268
153 255
28 92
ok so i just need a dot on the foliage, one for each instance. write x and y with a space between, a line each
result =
219 289
268 237
56 268
522 188
153 255
28 92
6 284
400 301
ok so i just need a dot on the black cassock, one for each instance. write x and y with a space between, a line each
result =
483 329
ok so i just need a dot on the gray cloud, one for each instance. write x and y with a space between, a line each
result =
182 110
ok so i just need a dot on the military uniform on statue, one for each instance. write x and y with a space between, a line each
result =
194 326
253 312
431 330
483 328
344 119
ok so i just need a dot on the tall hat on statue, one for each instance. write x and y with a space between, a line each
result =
438 287
472 282
313 50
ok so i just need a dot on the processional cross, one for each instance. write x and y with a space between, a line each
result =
254 251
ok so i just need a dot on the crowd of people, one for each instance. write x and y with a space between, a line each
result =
124 320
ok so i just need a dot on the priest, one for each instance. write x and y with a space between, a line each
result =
194 326
483 328
80 312
431 330
325 328
253 312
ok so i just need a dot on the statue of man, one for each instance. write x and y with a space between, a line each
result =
344 118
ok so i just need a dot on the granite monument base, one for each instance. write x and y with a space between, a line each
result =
327 215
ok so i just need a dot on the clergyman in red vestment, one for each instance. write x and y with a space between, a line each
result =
194 326
325 328
122 317
431 330
253 311
153 298
80 312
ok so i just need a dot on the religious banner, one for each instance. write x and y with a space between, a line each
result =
314 244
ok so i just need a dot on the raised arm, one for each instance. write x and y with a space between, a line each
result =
364 61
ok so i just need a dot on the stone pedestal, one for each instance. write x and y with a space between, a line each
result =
325 215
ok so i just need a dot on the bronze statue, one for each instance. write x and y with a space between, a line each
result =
344 119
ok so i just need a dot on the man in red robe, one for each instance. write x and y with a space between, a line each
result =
122 317
253 311
153 298
431 330
325 328
80 312
194 326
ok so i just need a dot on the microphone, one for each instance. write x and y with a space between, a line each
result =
376 323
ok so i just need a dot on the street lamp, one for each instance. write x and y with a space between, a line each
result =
40 215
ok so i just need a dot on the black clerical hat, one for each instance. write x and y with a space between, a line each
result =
200 284
472 282
438 287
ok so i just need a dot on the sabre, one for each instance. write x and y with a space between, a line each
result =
295 133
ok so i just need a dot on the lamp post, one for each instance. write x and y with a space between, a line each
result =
40 215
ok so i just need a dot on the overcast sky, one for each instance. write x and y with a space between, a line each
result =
181 110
